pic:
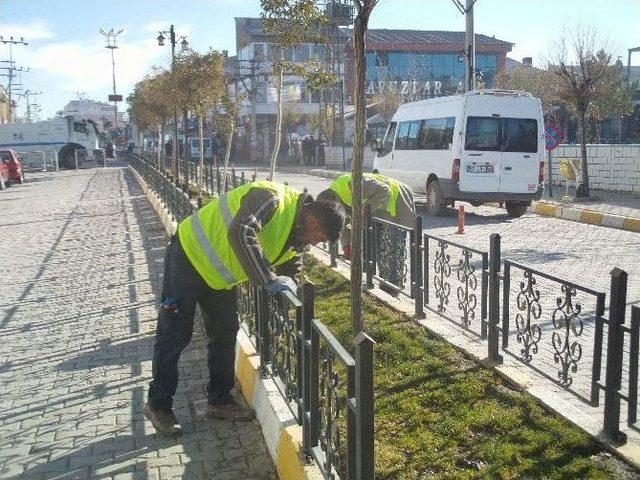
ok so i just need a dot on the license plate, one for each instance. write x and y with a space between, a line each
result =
475 168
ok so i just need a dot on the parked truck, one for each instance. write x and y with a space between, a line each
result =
60 136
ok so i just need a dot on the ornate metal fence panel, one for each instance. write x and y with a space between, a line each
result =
554 326
390 255
455 283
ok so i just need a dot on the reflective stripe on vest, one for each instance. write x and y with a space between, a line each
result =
204 235
342 187
208 251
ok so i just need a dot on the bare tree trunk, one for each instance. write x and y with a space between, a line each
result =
276 143
584 168
160 145
359 33
200 133
227 155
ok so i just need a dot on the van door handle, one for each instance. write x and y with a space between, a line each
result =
475 154
507 168
526 156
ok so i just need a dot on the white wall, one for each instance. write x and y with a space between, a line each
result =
611 167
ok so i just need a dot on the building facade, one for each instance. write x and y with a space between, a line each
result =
417 64
421 64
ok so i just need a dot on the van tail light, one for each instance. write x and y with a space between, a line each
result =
455 170
541 173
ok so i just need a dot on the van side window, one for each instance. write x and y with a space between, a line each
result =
436 133
484 133
401 137
387 145
412 136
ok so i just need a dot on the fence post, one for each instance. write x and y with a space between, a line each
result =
44 162
55 159
308 295
634 351
615 340
75 155
494 298
333 253
418 266
368 244
364 407
263 331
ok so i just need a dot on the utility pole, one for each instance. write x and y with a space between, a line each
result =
27 94
631 50
11 42
469 51
470 46
112 43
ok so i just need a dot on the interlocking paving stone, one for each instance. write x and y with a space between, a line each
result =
80 272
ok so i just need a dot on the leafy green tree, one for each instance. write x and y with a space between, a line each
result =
200 85
149 107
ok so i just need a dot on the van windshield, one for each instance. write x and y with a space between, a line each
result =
502 134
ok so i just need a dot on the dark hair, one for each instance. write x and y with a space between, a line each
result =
330 215
327 195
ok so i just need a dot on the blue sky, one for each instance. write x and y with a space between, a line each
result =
66 53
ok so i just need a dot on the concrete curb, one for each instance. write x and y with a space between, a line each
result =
584 215
279 427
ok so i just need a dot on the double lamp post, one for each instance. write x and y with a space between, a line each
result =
184 44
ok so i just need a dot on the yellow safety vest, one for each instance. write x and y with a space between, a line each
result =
342 187
204 235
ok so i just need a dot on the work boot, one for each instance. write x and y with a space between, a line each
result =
230 411
165 422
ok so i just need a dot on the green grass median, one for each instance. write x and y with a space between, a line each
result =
440 415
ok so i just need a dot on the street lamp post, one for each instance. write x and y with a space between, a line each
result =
172 38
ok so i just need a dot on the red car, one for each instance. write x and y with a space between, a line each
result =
10 168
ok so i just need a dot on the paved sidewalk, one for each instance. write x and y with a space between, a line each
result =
80 267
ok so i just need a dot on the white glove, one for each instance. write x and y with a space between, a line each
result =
280 284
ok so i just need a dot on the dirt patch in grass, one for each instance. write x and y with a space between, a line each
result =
439 415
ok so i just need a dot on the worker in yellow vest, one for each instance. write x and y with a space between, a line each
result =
391 200
237 237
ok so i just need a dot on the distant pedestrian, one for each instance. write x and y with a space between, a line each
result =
313 146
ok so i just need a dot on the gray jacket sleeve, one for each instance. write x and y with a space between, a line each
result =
256 210
405 207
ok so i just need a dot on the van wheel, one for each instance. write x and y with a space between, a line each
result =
517 209
435 202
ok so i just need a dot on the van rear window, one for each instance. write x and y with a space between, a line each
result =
502 134
484 133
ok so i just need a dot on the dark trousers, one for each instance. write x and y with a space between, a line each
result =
182 288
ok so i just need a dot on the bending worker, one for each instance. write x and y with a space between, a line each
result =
236 237
390 200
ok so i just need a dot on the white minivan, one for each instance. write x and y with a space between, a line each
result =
482 146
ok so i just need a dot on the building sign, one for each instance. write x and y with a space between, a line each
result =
115 98
412 88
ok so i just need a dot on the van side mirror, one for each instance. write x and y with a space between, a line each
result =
374 145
